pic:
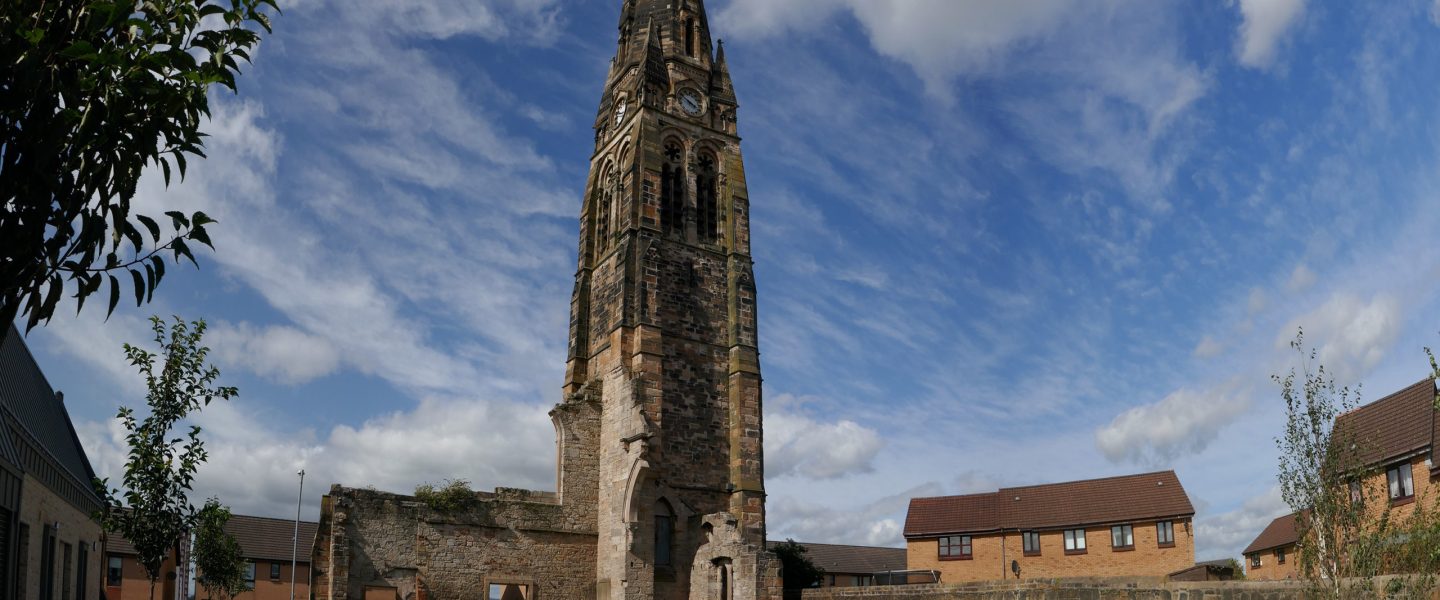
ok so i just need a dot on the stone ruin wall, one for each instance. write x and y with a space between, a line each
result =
372 542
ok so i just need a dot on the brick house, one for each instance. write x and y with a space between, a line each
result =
1395 436
49 544
1137 525
267 545
1273 553
125 577
852 566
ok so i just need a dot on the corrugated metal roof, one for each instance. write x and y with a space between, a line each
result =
853 560
1051 506
27 395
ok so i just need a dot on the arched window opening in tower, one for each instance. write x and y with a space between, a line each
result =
707 209
664 533
606 195
690 38
672 189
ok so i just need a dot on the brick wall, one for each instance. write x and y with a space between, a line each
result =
40 509
992 554
1270 566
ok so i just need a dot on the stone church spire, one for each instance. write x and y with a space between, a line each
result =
663 319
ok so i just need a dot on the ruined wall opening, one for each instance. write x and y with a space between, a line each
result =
664 534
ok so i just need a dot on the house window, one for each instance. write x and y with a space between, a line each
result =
955 547
1357 495
274 571
249 575
113 568
1401 486
1279 556
1075 541
1165 533
1032 543
65 571
1122 537
82 571
1254 561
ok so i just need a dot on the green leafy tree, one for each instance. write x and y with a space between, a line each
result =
219 565
160 465
1318 463
93 93
1238 568
798 572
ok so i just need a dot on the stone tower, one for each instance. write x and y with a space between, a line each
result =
663 323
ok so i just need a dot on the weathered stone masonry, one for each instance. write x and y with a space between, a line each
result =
662 469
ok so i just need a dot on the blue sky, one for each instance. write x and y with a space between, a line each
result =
996 243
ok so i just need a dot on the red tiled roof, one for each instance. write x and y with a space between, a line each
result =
271 539
1053 506
1281 532
259 538
1400 424
949 514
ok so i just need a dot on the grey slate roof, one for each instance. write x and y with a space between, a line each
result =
39 415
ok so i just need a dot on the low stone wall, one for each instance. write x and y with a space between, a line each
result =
1085 589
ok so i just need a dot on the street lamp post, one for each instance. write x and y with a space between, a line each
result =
295 541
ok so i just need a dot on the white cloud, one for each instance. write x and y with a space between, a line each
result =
1226 534
796 445
875 524
520 20
1264 27
252 464
1208 348
1185 422
768 17
1435 12
1300 280
282 354
1350 335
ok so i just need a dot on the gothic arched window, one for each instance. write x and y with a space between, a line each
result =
707 210
664 533
603 209
672 189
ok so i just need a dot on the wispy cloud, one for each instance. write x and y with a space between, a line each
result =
1263 29
1183 422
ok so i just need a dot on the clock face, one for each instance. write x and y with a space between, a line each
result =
620 112
691 103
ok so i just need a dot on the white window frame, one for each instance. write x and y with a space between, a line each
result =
1401 482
